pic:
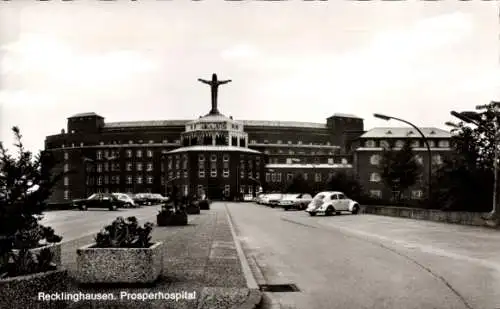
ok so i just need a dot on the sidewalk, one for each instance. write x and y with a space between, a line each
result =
200 258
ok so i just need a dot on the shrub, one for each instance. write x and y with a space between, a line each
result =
125 233
25 262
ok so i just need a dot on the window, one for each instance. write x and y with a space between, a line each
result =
437 160
129 180
420 178
280 141
99 168
225 158
375 159
375 177
139 179
268 177
129 153
150 180
291 152
101 143
416 194
250 174
257 175
117 180
66 167
169 164
225 173
150 153
344 161
129 166
99 181
213 158
201 173
177 164
289 142
253 142
299 142
419 159
227 190
330 160
278 177
242 189
399 144
149 167
266 141
213 172
151 141
66 156
376 193
106 167
66 195
432 144
384 144
139 153
139 166
370 144
178 174
305 176
185 174
99 155
444 144
66 181
289 176
184 164
106 180
130 142
242 173
201 158
106 154
415 144
317 177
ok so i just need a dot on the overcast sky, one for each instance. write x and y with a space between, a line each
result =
295 60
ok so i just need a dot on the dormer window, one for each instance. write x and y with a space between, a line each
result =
388 132
410 133
432 132
384 144
370 144
400 144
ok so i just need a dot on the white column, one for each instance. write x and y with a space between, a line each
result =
238 142
230 140
213 139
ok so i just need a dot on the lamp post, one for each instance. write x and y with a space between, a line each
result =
426 142
473 118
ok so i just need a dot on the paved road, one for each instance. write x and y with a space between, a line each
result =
367 261
73 224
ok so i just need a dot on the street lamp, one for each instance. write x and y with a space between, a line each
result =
424 138
473 118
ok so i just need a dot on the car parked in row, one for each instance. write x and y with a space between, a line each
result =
149 198
127 199
331 202
99 200
295 201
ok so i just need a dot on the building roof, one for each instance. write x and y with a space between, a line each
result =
85 115
345 115
292 124
251 123
213 148
408 132
146 123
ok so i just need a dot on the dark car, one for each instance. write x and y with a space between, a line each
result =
99 200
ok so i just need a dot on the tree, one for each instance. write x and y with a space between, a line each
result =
465 179
399 168
346 183
298 185
26 182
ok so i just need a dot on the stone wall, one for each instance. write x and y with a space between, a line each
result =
455 217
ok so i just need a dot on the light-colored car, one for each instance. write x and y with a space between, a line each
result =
127 199
331 202
258 198
295 201
248 197
273 199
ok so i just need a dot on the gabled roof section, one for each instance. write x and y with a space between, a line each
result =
394 132
89 114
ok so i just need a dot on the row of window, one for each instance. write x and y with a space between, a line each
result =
288 143
415 194
436 159
376 177
276 177
400 143
301 152
165 141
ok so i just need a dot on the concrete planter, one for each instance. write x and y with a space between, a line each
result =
54 248
119 265
193 210
24 291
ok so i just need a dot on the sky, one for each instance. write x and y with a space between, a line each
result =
288 61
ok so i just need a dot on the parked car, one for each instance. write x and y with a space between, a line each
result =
144 199
331 202
99 200
296 201
127 199
259 197
248 197
274 199
266 200
156 198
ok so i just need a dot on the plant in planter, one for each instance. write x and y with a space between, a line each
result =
29 259
122 253
170 215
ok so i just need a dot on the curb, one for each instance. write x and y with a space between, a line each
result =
255 295
253 301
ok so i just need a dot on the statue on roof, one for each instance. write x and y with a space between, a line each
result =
214 86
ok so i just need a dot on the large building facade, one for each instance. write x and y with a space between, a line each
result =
213 153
